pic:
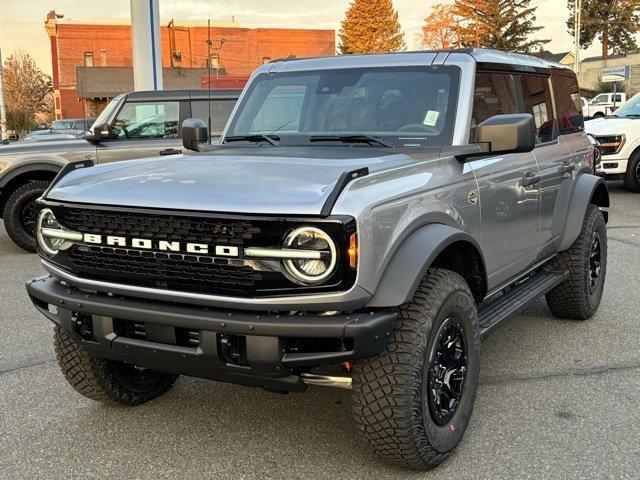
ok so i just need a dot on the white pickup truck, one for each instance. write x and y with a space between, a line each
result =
602 105
619 136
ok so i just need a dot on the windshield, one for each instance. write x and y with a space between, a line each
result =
62 125
629 109
104 116
403 106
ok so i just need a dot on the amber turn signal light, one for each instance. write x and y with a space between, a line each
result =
353 251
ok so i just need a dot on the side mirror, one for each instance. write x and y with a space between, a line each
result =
513 133
194 134
101 132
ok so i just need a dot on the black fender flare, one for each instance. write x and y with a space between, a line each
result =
589 189
29 168
412 259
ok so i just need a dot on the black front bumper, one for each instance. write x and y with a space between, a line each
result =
92 319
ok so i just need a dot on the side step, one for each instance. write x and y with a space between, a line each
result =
515 298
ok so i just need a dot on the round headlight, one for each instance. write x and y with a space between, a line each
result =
47 220
319 246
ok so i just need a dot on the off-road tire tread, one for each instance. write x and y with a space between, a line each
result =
570 299
386 416
11 216
89 375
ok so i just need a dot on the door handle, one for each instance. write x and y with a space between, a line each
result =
170 151
530 179
566 169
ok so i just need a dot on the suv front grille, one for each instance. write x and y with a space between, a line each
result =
161 227
199 273
167 270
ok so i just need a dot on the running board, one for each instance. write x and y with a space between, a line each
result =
517 297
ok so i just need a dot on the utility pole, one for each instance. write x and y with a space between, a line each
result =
3 111
577 24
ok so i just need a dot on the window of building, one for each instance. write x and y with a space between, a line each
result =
568 104
88 59
103 57
148 120
220 112
214 60
494 94
536 93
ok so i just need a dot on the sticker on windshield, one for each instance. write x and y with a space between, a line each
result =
431 118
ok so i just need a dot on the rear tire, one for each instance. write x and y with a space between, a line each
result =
19 214
632 175
106 381
401 398
579 297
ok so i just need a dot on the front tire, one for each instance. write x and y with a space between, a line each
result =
579 297
412 403
106 381
632 175
19 214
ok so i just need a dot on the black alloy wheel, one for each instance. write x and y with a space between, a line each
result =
595 260
28 216
447 370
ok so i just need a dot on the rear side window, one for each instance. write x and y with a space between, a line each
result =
568 104
494 94
536 94
220 112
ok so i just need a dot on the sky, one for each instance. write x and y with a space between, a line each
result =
22 21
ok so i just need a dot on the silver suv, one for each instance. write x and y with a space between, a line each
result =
133 125
365 223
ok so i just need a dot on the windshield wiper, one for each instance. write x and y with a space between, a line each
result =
254 137
356 138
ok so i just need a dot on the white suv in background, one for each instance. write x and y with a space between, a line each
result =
619 135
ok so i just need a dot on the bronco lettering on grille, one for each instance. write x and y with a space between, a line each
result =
162 245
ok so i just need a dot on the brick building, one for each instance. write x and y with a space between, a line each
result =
88 58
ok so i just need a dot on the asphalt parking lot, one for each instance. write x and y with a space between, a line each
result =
558 399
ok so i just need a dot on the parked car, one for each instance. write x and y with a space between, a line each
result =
133 125
364 223
602 105
619 136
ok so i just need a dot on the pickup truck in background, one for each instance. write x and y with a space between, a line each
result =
133 125
602 105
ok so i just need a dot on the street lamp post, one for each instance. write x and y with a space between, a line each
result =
577 25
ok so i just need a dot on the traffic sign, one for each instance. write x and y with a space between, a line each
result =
616 74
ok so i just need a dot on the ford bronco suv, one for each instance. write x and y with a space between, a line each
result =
364 223
133 125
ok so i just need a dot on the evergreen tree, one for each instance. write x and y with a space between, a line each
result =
500 24
371 26
613 23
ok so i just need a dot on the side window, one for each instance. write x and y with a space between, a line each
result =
602 98
568 104
220 113
147 120
494 94
537 99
